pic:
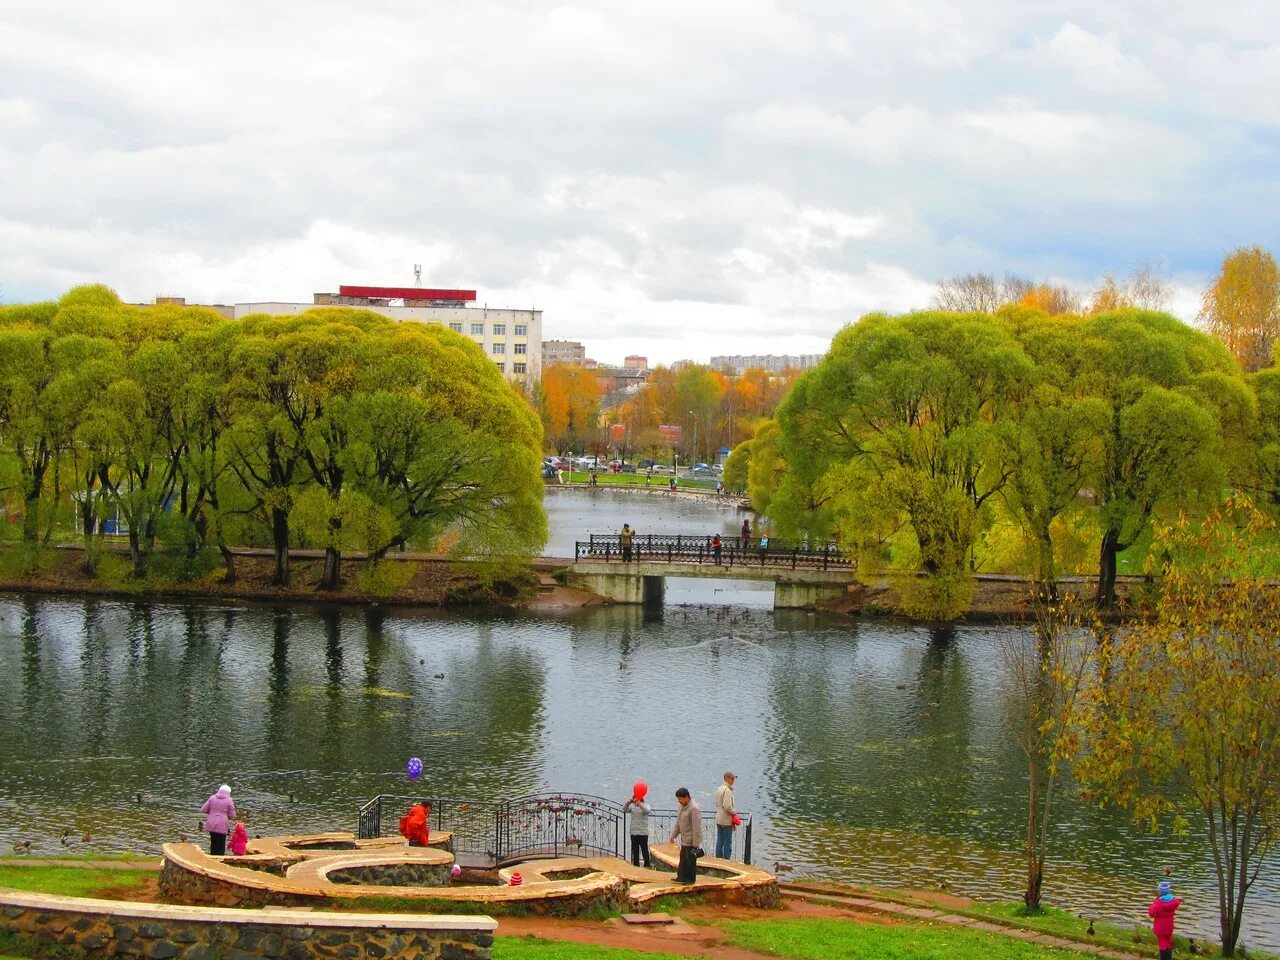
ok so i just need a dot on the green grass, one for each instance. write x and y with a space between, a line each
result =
535 948
846 940
22 859
1065 924
74 881
660 480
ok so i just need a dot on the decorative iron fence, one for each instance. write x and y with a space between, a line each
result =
734 551
538 825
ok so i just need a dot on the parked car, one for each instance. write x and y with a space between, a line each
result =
702 470
717 468
627 468
647 462
662 468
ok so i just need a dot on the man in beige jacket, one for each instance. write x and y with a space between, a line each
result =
725 812
689 829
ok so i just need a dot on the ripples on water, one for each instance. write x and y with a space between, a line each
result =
876 753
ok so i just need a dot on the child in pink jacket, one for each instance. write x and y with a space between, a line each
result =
239 840
1161 913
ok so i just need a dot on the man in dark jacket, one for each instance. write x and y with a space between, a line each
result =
689 829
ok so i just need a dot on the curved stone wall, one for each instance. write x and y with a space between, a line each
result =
296 871
112 928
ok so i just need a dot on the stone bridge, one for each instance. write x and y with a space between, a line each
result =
803 575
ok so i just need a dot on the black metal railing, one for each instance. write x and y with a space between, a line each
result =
662 822
538 825
734 551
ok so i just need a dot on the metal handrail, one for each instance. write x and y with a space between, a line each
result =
734 551
486 826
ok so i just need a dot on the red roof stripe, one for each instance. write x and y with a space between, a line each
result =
406 293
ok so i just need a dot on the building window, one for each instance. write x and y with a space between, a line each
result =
477 329
517 368
522 329
455 327
499 348
502 367
521 349
499 329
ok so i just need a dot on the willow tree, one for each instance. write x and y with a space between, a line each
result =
45 390
1163 442
902 415
1055 442
1265 480
442 446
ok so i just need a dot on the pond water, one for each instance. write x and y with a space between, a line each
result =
876 752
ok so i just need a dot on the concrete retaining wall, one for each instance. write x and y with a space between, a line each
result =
111 928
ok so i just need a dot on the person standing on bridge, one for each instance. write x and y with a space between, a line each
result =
717 545
726 813
746 532
625 538
689 829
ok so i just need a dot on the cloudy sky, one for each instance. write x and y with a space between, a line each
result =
671 178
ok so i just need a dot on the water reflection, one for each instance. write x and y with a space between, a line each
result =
875 752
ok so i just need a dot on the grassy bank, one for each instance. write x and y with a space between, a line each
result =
659 480
86 881
403 579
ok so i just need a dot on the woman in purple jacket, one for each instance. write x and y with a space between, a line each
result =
219 811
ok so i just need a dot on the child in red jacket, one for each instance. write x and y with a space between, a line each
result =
1161 913
414 825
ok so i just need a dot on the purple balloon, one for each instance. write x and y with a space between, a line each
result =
414 769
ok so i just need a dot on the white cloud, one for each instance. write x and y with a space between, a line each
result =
1097 63
661 177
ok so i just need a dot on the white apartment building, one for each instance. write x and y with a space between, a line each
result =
774 363
512 338
563 351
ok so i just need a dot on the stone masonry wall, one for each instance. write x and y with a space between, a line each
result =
394 875
102 928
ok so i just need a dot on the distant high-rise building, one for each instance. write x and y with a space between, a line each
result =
563 351
634 362
774 363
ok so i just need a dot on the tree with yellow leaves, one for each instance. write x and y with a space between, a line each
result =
1181 714
1242 307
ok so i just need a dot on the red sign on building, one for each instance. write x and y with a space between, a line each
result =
406 293
670 433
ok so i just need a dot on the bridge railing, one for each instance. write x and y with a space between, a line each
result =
734 551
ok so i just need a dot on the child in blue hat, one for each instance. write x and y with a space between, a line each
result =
1161 913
